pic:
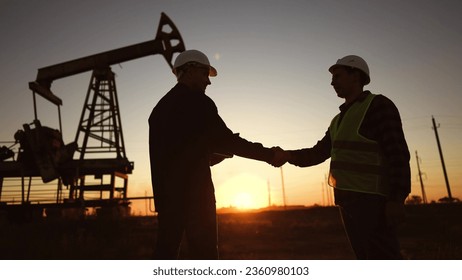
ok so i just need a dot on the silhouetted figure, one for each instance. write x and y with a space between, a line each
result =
186 136
369 166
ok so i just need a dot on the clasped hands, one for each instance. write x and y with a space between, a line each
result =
280 157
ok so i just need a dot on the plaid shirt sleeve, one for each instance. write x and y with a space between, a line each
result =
382 123
314 155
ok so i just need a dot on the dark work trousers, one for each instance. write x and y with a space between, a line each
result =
365 224
197 222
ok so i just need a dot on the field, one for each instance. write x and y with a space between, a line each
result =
431 232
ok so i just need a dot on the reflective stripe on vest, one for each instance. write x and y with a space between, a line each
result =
356 161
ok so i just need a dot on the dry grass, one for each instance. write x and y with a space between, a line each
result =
430 232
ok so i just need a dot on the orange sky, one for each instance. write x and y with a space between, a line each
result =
272 87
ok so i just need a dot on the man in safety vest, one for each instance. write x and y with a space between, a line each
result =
369 168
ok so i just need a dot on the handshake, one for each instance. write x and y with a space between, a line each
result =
280 157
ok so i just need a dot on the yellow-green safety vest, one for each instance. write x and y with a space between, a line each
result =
357 163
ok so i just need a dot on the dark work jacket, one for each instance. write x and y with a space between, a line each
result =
185 130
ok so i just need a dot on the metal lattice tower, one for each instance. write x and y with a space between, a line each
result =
100 122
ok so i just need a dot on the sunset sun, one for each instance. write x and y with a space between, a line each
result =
243 200
243 191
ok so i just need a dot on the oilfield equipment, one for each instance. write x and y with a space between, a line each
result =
44 175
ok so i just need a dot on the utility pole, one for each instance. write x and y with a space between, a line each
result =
424 196
269 193
442 159
283 188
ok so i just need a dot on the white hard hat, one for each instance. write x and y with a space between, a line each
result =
193 56
353 61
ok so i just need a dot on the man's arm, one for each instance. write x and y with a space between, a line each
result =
223 141
386 119
312 156
394 146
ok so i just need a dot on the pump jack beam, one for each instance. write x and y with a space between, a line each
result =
164 44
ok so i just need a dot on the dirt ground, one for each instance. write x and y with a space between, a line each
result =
431 232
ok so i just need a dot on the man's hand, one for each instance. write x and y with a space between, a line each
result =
280 157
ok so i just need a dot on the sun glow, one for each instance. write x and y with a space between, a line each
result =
244 191
243 200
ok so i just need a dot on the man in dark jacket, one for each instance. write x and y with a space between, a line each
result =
186 137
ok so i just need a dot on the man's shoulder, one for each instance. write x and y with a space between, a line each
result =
380 99
383 105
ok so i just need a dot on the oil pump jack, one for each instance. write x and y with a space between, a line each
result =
99 139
